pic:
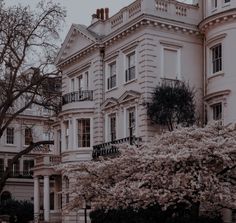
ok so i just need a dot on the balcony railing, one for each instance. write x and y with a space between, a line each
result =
19 174
170 82
86 95
130 74
110 148
47 160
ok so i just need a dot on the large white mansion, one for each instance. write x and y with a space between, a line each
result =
111 68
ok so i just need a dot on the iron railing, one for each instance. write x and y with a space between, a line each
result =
110 148
19 174
170 82
85 95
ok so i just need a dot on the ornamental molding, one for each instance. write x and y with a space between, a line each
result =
217 19
217 94
111 39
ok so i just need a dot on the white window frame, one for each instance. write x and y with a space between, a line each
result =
210 44
79 84
226 3
127 67
172 48
110 75
31 131
13 136
214 4
90 132
214 60
126 120
108 125
72 84
214 108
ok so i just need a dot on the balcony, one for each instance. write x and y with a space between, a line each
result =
47 160
19 174
109 148
86 95
168 82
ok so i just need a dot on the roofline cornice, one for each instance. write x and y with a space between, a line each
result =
127 29
218 18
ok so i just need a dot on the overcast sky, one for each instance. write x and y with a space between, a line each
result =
80 11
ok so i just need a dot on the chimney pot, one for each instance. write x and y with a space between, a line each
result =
98 14
102 13
106 13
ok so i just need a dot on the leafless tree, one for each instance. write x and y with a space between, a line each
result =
28 45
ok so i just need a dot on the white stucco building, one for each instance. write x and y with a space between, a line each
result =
111 68
33 124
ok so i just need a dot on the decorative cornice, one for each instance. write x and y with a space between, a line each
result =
216 19
113 38
216 94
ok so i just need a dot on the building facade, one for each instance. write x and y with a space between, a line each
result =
111 68
32 124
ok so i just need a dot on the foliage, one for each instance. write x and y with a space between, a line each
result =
172 104
19 211
191 166
152 214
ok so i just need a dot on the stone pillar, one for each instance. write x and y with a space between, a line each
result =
46 198
36 199
227 215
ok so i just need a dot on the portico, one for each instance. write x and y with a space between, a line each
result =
49 208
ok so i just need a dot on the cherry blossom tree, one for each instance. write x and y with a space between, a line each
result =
191 166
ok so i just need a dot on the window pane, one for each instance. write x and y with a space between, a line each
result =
28 136
217 111
84 133
112 127
217 58
10 136
131 122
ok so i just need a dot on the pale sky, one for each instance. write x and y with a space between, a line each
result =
80 11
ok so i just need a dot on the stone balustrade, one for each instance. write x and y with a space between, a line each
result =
166 9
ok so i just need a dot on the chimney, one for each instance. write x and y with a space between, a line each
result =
98 14
106 13
102 13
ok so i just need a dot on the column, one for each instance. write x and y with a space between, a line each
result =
226 215
46 198
36 199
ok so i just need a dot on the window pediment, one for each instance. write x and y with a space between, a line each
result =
129 95
109 103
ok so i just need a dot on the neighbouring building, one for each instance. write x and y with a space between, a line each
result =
110 69
33 124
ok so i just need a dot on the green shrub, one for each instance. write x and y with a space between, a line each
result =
19 211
